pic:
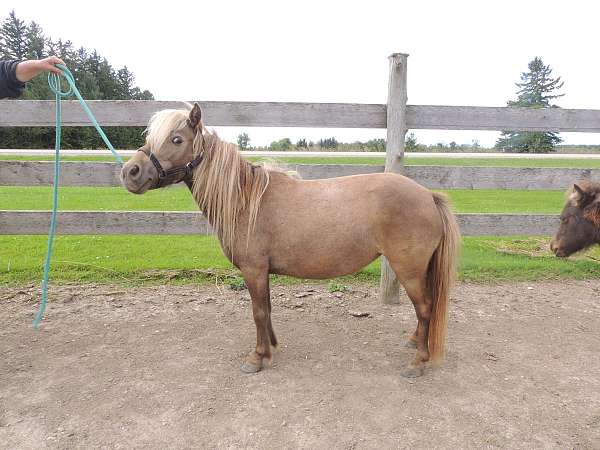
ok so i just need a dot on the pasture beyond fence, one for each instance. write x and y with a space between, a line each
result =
396 116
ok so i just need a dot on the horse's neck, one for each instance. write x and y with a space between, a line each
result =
242 220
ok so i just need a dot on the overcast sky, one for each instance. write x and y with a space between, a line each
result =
461 52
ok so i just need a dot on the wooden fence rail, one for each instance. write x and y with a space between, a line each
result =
40 173
186 223
21 113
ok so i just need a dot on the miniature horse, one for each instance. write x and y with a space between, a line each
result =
270 222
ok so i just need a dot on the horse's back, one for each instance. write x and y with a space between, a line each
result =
368 199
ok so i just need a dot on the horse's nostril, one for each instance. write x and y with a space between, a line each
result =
134 170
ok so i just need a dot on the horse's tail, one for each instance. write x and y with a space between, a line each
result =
441 276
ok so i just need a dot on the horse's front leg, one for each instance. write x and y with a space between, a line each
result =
258 286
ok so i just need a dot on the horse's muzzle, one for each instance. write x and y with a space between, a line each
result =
134 179
555 248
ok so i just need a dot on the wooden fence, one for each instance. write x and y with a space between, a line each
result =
38 173
396 116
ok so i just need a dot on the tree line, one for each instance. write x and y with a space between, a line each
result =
95 77
332 145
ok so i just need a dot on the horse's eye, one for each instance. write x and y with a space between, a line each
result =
177 140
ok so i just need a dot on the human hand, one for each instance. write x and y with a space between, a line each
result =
26 70
49 64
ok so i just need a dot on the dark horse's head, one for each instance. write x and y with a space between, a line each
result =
579 221
171 153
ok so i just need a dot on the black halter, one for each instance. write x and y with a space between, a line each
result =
174 174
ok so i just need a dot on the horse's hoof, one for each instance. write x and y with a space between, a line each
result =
250 368
411 344
412 372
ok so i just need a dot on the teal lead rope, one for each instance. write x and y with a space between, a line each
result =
54 83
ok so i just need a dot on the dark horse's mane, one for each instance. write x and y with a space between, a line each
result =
591 190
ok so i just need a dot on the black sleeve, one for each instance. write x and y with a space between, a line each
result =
9 85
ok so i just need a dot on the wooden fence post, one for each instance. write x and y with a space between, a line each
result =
389 289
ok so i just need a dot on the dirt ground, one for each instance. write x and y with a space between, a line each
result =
159 368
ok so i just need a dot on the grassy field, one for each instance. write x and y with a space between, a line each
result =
182 259
581 162
179 199
128 260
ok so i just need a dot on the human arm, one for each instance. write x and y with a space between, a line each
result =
10 86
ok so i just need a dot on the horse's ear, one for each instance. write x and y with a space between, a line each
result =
577 194
195 116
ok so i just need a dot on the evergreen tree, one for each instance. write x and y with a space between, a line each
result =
536 90
328 143
35 41
124 83
302 143
14 37
410 144
107 80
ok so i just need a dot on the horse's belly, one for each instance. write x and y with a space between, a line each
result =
320 259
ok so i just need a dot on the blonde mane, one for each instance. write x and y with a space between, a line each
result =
225 184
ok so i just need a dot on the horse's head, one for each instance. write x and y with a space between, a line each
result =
172 151
579 221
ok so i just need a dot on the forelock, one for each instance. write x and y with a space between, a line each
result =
162 123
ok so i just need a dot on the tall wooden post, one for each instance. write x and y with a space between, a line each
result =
389 289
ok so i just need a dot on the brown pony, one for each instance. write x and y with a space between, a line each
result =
579 221
270 222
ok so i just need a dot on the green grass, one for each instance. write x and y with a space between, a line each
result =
96 198
582 162
506 201
120 259
135 260
179 199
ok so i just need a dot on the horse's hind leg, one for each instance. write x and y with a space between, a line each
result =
416 289
415 285
257 282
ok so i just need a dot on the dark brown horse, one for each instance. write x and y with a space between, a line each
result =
579 221
269 222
